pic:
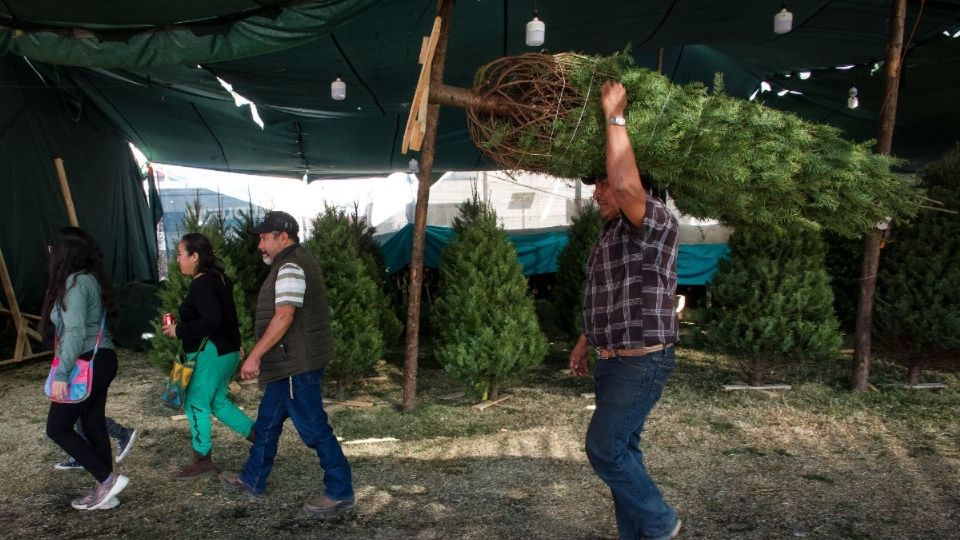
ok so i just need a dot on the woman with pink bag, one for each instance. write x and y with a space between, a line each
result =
77 304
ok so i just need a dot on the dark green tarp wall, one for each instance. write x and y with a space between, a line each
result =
38 123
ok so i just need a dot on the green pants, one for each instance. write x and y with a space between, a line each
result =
207 394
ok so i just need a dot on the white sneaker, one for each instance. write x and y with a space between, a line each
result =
111 488
111 503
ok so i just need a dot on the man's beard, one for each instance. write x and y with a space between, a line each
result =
267 260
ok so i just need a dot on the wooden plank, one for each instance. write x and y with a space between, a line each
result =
732 387
19 348
65 188
349 403
451 397
14 308
421 94
372 441
178 417
33 334
29 316
484 405
927 386
25 358
378 378
424 50
588 395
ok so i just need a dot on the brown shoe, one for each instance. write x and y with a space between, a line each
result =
326 507
200 466
252 437
233 480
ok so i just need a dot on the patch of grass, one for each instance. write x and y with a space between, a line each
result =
721 426
922 451
428 420
745 450
819 478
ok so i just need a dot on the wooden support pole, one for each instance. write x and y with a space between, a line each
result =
21 347
871 242
411 350
65 187
442 94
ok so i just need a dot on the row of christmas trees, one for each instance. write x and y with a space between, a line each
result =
778 297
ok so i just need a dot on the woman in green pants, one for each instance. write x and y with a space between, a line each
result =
208 323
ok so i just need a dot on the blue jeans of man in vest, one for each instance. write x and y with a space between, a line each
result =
300 398
627 389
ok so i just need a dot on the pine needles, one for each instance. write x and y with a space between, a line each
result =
719 157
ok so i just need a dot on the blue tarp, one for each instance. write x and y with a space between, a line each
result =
538 252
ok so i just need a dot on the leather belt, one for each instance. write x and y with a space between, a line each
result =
640 351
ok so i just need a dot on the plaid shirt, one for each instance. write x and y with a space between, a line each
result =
629 300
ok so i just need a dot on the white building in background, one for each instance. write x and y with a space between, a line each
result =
523 201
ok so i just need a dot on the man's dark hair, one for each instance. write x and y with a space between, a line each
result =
646 180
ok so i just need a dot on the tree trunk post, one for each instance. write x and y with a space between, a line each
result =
871 243
412 346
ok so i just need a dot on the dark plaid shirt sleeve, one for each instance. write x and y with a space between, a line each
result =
630 294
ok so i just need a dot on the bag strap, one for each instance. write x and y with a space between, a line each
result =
96 347
203 345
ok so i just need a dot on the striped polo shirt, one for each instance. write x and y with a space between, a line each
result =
290 286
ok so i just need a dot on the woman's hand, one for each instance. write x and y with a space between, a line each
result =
59 391
170 330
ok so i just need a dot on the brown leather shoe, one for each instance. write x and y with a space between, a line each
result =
252 437
233 481
326 507
200 466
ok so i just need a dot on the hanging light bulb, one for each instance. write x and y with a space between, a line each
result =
782 21
338 89
413 167
804 75
852 100
535 30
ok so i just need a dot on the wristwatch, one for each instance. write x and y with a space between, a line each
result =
616 121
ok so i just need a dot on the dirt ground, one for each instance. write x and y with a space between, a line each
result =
813 462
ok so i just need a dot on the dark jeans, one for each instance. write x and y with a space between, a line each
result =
627 389
300 399
114 429
95 456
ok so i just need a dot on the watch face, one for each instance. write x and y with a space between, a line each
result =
617 121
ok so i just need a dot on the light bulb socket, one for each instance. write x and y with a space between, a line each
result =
338 89
536 31
782 21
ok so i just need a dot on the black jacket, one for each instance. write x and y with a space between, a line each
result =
209 311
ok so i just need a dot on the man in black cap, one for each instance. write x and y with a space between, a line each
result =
293 346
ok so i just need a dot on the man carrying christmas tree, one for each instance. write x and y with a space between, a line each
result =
294 344
628 317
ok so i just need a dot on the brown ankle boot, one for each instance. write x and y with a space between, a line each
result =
200 466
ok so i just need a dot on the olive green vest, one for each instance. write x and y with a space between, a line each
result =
308 344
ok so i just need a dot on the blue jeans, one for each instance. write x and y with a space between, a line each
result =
627 389
298 398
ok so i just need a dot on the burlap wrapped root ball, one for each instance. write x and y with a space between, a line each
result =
729 159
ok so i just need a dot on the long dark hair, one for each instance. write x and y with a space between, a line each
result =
74 250
207 260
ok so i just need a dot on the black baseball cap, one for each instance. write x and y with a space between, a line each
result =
276 221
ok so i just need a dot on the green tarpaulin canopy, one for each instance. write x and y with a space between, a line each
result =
152 68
